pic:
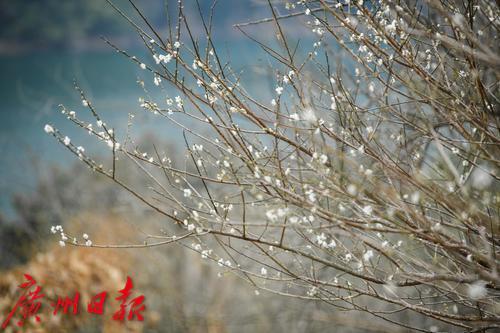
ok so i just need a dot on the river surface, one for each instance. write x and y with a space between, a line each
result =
33 85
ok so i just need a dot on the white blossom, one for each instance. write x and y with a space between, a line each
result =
165 58
367 255
321 239
198 147
415 197
481 178
478 290
309 115
368 209
48 129
179 102
311 196
391 28
157 80
352 189
271 215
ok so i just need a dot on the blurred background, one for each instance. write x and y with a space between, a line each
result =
44 46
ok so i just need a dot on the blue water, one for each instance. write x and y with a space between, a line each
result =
31 88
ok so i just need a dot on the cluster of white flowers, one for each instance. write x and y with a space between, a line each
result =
56 229
313 291
71 114
88 242
197 247
113 144
157 80
165 58
198 64
311 195
309 115
274 214
321 239
368 255
223 263
198 147
317 28
178 101
321 158
64 237
206 253
187 192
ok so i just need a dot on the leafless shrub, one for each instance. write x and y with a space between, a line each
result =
368 182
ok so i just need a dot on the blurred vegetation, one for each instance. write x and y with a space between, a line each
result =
36 211
184 293
58 24
57 197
